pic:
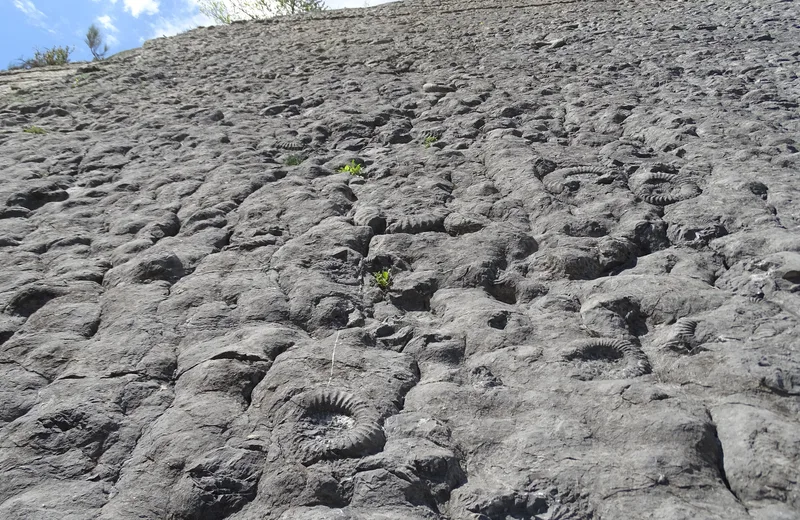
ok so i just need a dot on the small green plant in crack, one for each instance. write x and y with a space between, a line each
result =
352 168
80 78
383 278
430 140
294 160
34 130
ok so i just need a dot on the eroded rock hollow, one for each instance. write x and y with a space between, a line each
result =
431 260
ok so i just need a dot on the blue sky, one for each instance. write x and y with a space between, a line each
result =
125 24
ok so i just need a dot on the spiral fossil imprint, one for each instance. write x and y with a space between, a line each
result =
435 133
555 181
337 424
603 349
683 337
289 145
661 189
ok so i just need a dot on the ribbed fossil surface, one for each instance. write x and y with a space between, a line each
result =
338 424
432 260
609 351
557 181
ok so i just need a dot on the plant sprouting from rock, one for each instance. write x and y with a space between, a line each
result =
95 41
80 78
52 56
294 160
383 278
353 168
34 130
430 140
229 11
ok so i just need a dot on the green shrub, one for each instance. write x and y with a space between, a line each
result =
78 79
229 11
34 130
383 278
52 56
352 168
294 160
95 41
430 140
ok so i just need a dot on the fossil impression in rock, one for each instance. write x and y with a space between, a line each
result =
557 180
601 354
335 424
683 338
661 189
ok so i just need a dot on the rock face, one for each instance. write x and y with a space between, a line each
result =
559 280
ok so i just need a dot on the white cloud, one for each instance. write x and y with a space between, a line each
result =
111 40
173 26
35 16
106 22
137 7
27 7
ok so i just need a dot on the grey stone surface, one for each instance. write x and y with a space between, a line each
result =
588 212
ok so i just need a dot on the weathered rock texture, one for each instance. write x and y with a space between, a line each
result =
589 211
